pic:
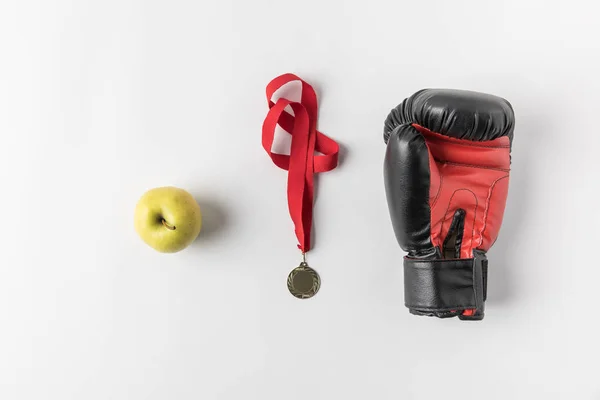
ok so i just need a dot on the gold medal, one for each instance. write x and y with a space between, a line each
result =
303 282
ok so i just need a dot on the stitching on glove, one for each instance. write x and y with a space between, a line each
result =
437 196
449 308
471 165
487 206
460 142
443 260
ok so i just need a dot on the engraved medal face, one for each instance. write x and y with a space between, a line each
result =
303 282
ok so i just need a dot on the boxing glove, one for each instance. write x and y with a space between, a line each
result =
446 173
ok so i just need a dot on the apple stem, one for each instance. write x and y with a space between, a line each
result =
166 224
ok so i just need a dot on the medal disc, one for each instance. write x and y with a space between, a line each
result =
303 282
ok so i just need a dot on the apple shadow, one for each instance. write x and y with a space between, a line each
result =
215 220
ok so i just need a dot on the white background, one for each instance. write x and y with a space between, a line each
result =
102 100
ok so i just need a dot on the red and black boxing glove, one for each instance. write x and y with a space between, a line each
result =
446 171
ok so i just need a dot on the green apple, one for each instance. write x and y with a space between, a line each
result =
168 219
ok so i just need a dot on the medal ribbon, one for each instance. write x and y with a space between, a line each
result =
302 163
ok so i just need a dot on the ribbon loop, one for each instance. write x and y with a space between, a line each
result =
302 163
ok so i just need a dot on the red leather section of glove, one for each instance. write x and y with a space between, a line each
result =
472 176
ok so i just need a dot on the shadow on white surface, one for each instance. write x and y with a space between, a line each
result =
215 220
342 155
504 260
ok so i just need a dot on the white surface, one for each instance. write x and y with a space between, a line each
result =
102 100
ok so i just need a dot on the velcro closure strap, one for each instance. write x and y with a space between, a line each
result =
445 285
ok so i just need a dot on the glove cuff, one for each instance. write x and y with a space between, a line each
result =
446 288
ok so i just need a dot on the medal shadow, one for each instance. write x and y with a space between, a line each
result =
342 156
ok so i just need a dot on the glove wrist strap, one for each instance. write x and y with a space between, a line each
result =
446 288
